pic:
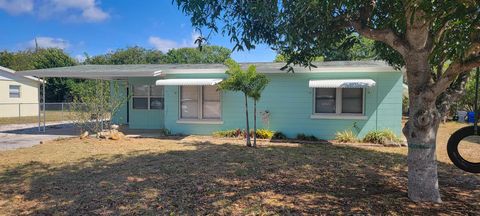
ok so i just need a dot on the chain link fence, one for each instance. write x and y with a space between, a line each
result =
24 113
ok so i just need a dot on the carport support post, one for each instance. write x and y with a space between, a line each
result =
41 108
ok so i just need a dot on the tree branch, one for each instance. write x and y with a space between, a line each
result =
386 36
453 70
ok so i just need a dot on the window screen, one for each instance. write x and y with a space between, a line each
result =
156 97
352 100
325 100
211 102
189 102
14 91
141 90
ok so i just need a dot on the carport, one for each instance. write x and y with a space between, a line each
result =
114 73
93 72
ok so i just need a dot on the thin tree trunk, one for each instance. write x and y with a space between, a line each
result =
254 123
249 144
421 132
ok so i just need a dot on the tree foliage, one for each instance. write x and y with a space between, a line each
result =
57 89
258 83
241 81
139 55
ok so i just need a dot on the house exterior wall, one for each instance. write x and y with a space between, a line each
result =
290 102
144 119
9 107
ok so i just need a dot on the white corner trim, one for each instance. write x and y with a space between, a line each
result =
200 121
339 116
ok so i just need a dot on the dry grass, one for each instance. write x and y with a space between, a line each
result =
50 116
198 175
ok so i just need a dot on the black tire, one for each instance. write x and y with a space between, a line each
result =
454 155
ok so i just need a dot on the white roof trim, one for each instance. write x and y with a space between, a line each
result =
344 83
186 82
8 70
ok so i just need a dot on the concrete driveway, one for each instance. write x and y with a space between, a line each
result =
26 135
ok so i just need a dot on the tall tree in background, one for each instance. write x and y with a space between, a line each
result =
139 55
208 55
129 55
57 89
418 35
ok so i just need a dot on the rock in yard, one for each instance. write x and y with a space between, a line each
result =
117 135
84 135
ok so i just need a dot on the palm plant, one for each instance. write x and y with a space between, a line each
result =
258 84
239 80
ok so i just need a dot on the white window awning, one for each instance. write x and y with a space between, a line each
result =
344 83
186 82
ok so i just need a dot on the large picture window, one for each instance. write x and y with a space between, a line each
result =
14 91
147 97
339 101
200 102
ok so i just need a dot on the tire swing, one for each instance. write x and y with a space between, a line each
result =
462 133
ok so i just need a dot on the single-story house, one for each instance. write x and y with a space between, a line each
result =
18 94
183 98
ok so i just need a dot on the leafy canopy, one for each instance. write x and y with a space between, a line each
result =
139 55
238 79
303 30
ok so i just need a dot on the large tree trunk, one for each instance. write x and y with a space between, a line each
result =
249 144
421 132
254 123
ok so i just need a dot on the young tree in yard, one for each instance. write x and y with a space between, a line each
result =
94 102
239 80
258 83
418 35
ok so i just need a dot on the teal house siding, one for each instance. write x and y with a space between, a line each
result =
288 99
144 119
290 103
120 87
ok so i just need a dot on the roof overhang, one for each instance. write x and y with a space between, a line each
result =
187 82
13 73
342 83
98 71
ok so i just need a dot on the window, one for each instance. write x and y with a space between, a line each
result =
352 100
147 97
339 101
200 102
14 91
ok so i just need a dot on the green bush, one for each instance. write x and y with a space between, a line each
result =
381 137
302 136
261 133
227 133
279 135
346 136
165 132
265 133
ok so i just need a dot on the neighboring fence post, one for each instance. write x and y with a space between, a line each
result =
62 112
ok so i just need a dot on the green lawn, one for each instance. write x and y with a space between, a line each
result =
198 175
